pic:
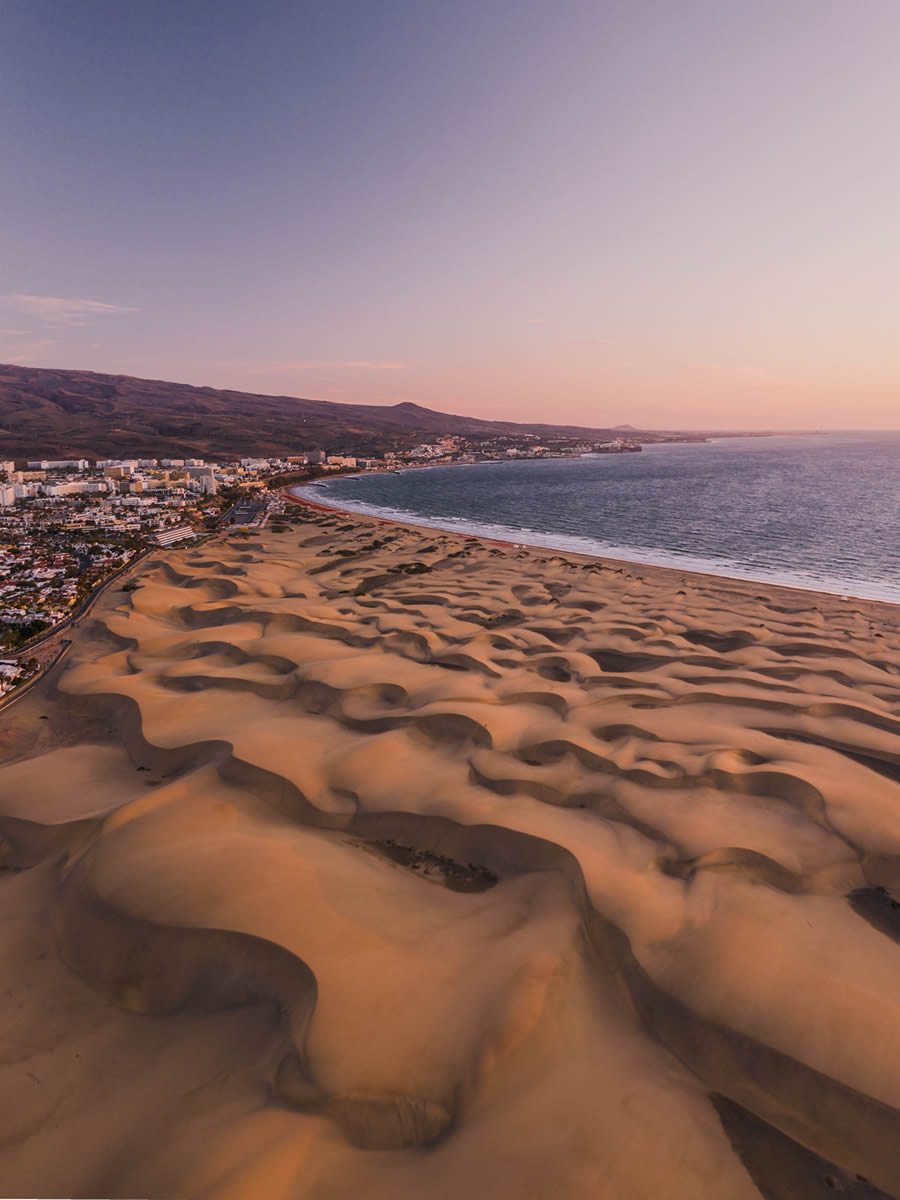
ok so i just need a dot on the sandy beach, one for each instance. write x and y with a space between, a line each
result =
348 859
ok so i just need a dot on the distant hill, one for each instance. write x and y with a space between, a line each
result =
63 414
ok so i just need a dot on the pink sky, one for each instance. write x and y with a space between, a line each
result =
677 215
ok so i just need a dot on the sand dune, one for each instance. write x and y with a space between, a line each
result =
355 860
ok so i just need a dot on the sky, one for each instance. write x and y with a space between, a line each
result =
666 213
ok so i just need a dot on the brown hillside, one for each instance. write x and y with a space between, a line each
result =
60 413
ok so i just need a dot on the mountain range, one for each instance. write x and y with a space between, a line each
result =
49 413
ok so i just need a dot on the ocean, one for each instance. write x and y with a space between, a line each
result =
811 511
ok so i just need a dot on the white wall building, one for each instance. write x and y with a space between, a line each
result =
76 487
168 537
59 464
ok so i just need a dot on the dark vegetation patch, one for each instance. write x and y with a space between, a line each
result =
458 877
410 568
509 616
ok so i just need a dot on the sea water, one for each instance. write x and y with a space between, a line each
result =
812 511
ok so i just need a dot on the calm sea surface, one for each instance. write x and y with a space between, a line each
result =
814 511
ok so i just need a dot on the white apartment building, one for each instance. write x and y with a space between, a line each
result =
75 487
168 537
206 484
59 464
18 491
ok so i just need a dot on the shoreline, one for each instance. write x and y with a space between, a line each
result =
688 574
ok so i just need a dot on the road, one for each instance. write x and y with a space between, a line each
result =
83 607
79 612
18 692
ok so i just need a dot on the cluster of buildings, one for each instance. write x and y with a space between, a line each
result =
12 673
67 524
455 448
54 479
45 575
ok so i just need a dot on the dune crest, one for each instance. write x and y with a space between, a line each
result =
362 860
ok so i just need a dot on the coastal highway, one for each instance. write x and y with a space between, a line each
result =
84 606
18 692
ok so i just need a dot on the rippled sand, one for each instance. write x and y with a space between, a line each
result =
359 861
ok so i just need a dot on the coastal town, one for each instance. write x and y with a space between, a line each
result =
69 526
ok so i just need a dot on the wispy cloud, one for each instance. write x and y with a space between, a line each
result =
329 364
26 352
315 364
62 310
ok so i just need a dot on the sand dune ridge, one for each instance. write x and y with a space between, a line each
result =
458 865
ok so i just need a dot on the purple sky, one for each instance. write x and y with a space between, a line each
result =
679 214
